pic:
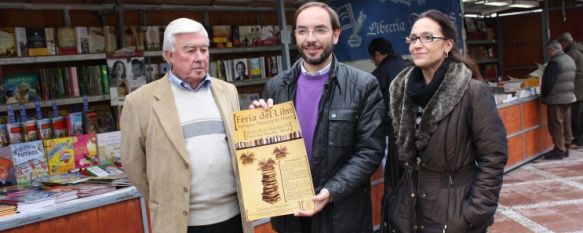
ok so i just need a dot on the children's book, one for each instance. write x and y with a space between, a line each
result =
60 155
22 87
29 161
7 173
85 147
109 147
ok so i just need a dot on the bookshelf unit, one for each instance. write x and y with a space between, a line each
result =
484 46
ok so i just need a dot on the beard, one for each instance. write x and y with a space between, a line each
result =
327 50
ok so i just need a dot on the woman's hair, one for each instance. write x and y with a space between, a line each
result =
114 70
449 32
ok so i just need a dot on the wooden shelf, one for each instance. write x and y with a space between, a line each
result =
59 102
101 56
481 42
487 61
250 82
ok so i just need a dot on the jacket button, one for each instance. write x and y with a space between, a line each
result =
422 226
185 213
186 166
333 115
412 195
185 189
423 195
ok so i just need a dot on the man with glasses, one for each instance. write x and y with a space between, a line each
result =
340 110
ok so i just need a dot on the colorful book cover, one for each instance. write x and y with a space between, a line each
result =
240 69
273 169
75 123
29 161
85 147
60 155
109 147
7 42
21 88
256 68
7 171
221 36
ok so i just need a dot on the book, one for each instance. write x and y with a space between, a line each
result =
256 67
108 147
7 42
246 99
51 41
7 171
36 42
21 43
110 38
96 40
130 37
274 175
240 69
60 155
75 123
29 161
85 150
82 39
221 36
66 41
63 179
21 88
153 38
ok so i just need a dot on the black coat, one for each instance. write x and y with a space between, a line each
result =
348 147
453 170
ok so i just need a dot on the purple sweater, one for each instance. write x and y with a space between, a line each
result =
309 90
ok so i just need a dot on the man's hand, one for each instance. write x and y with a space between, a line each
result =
321 200
260 103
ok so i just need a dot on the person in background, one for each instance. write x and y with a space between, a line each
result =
452 143
575 51
388 65
340 110
178 143
557 93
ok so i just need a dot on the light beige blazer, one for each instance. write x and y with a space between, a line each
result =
153 150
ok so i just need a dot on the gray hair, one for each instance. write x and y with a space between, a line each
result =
177 26
554 44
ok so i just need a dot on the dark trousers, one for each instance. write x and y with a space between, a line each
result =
232 225
559 119
577 122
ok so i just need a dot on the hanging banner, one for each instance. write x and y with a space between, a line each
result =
362 21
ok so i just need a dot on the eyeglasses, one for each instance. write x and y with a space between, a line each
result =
425 38
315 32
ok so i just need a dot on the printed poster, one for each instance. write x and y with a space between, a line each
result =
274 171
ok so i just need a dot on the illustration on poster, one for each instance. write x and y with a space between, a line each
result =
347 21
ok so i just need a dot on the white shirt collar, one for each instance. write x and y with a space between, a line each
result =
324 70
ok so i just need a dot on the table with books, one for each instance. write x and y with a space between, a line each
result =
76 199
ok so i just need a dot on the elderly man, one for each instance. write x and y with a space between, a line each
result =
557 93
177 139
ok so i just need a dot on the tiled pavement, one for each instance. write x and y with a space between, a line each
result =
542 196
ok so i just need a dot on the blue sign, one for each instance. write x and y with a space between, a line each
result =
362 21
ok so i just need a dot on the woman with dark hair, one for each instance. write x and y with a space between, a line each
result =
452 143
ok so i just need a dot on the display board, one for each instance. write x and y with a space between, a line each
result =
362 21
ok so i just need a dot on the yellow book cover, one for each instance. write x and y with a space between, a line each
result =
60 155
274 172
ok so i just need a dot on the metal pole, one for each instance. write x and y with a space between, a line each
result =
285 36
545 28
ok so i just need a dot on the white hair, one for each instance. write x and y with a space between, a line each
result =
555 45
177 26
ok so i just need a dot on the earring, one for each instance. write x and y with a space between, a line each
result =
446 53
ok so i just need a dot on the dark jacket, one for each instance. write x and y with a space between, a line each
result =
386 72
575 51
558 84
348 147
453 170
